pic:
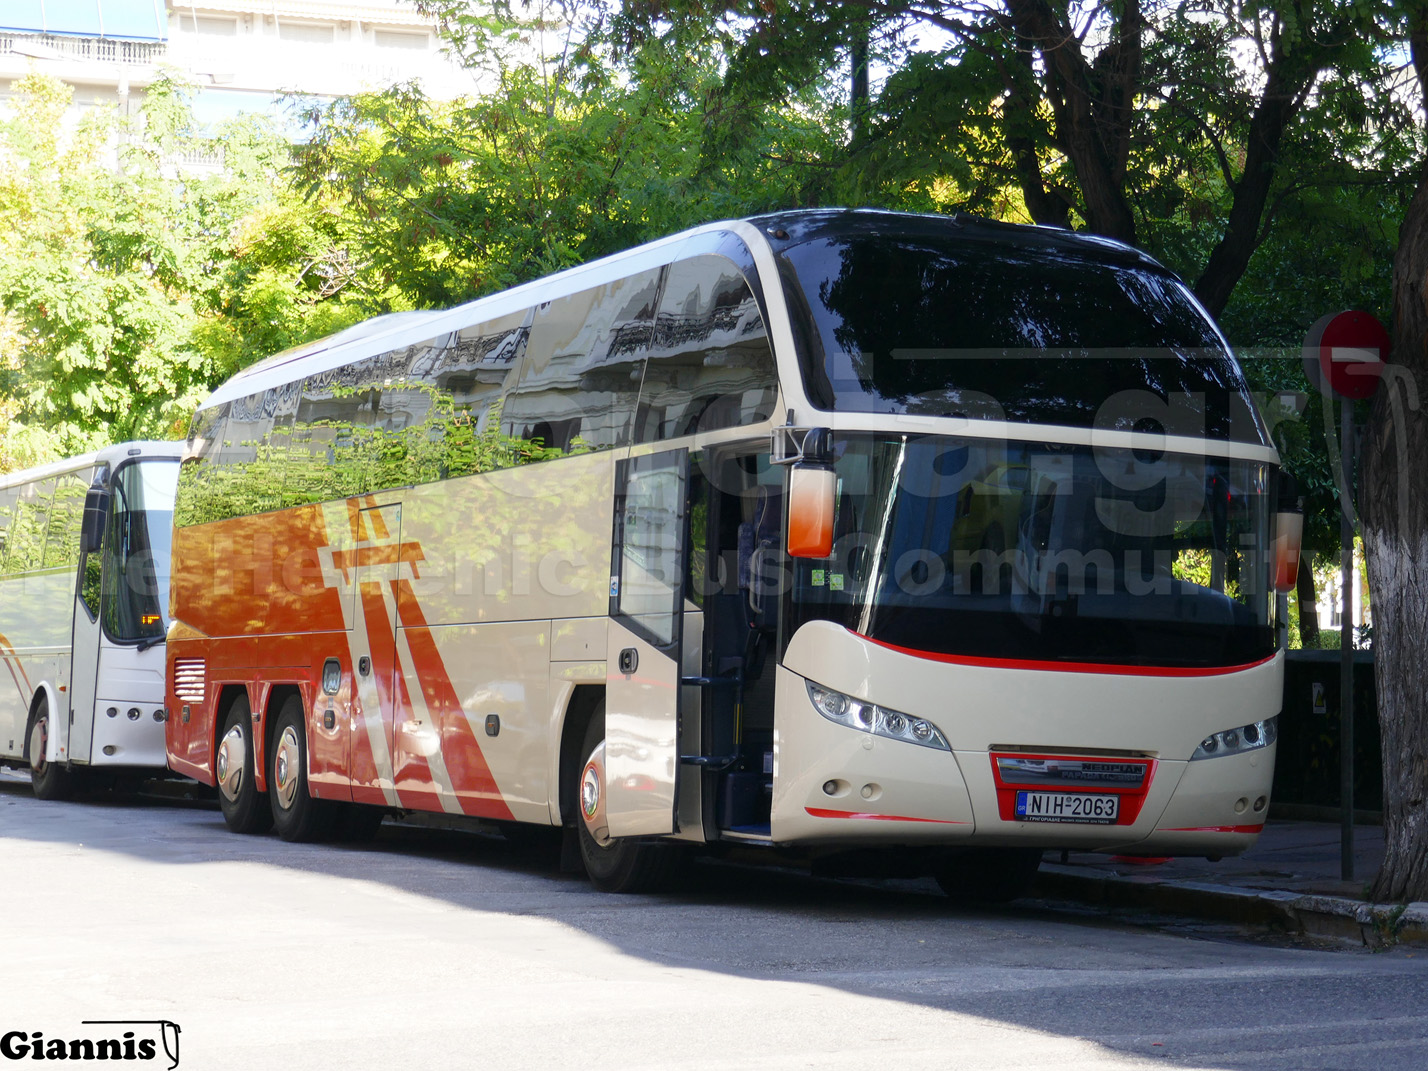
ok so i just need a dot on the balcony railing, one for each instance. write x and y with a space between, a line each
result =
86 49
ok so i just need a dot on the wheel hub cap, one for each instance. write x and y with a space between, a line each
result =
592 796
230 763
285 767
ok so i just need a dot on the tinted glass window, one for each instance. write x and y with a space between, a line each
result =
1046 552
24 522
710 365
135 583
200 489
942 326
66 515
581 374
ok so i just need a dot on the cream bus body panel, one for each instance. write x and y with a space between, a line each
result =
521 544
981 708
35 610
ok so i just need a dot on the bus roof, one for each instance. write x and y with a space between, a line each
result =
115 452
781 230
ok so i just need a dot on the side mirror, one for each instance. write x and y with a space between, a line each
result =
96 513
811 491
1288 538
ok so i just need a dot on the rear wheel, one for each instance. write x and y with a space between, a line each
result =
989 875
613 864
297 816
244 808
50 780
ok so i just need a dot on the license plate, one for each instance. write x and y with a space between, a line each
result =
1067 807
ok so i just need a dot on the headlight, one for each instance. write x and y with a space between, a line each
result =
870 718
1251 737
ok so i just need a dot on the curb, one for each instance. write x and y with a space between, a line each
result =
1334 917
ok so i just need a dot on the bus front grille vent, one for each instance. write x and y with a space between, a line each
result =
189 676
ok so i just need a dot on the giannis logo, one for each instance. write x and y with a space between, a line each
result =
120 1040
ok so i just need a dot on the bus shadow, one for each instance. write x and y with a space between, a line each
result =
896 940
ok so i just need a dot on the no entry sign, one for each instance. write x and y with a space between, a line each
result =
1345 352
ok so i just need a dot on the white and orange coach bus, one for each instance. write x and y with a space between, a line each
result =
825 531
84 575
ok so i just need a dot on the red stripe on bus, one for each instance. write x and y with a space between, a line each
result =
1212 829
819 812
1069 667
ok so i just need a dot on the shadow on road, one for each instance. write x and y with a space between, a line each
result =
902 941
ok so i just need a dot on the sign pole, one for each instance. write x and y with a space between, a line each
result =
1344 355
1346 647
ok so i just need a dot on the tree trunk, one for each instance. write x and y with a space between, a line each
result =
1395 533
1308 600
1087 105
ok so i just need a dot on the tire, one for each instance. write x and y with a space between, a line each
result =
297 816
245 809
616 866
49 780
989 875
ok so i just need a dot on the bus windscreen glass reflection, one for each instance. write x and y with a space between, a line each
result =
135 595
1047 552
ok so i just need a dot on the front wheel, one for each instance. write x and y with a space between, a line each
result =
297 816
49 780
613 864
245 809
989 875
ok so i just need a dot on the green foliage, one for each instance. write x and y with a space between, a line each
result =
327 460
565 161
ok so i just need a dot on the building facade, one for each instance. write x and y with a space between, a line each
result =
240 51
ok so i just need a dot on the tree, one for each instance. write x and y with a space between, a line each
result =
1122 118
568 157
1395 534
129 288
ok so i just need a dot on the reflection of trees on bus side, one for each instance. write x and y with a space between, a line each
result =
661 353
40 524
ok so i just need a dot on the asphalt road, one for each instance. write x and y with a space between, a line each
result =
432 950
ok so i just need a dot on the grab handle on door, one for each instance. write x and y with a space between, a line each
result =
629 660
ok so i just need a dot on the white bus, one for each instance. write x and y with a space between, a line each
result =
84 573
825 532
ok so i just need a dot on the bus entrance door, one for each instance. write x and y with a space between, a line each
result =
646 634
88 647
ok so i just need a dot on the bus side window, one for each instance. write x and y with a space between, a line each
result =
581 374
201 497
65 519
8 498
711 365
25 542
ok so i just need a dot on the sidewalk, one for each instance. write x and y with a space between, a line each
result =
1289 881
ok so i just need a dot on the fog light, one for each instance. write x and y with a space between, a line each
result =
1240 805
160 715
1261 803
110 749
112 712
134 714
830 788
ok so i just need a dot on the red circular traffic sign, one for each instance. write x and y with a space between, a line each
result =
1346 351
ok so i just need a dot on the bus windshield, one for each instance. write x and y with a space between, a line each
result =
136 551
1046 552
946 324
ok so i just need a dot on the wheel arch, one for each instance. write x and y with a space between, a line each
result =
228 694
46 693
584 699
